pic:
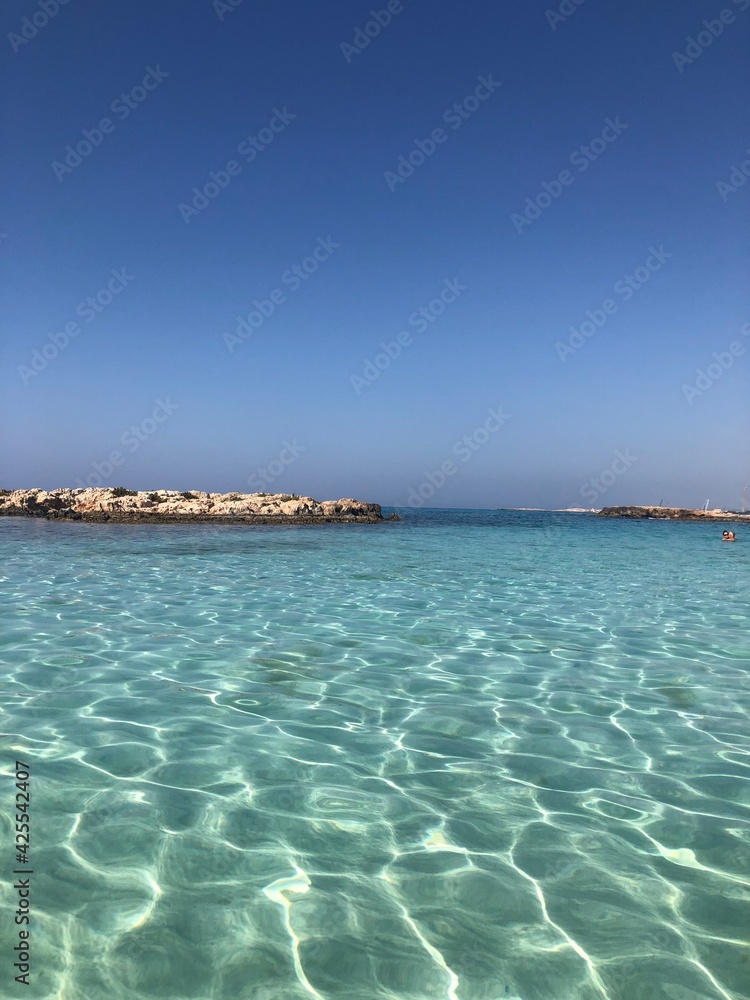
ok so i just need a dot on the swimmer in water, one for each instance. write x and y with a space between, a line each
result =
728 536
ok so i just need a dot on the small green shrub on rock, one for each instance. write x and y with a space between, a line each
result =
121 491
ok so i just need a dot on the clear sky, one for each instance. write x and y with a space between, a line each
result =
512 169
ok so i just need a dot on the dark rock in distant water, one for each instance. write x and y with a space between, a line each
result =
673 514
170 507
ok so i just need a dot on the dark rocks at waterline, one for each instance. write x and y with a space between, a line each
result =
120 505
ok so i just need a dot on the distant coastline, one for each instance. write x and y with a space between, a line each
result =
647 512
120 505
556 510
675 514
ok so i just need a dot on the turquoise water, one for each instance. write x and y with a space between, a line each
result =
470 755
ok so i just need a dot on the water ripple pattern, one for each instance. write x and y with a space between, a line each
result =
467 756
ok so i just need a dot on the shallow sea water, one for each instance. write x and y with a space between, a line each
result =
472 755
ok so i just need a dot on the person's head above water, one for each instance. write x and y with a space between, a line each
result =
727 536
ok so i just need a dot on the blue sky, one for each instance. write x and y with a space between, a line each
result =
304 128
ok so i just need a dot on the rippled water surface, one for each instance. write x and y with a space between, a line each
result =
470 755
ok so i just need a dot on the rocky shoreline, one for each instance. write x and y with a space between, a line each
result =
118 505
674 514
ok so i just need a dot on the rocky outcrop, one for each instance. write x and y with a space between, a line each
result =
168 506
674 514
